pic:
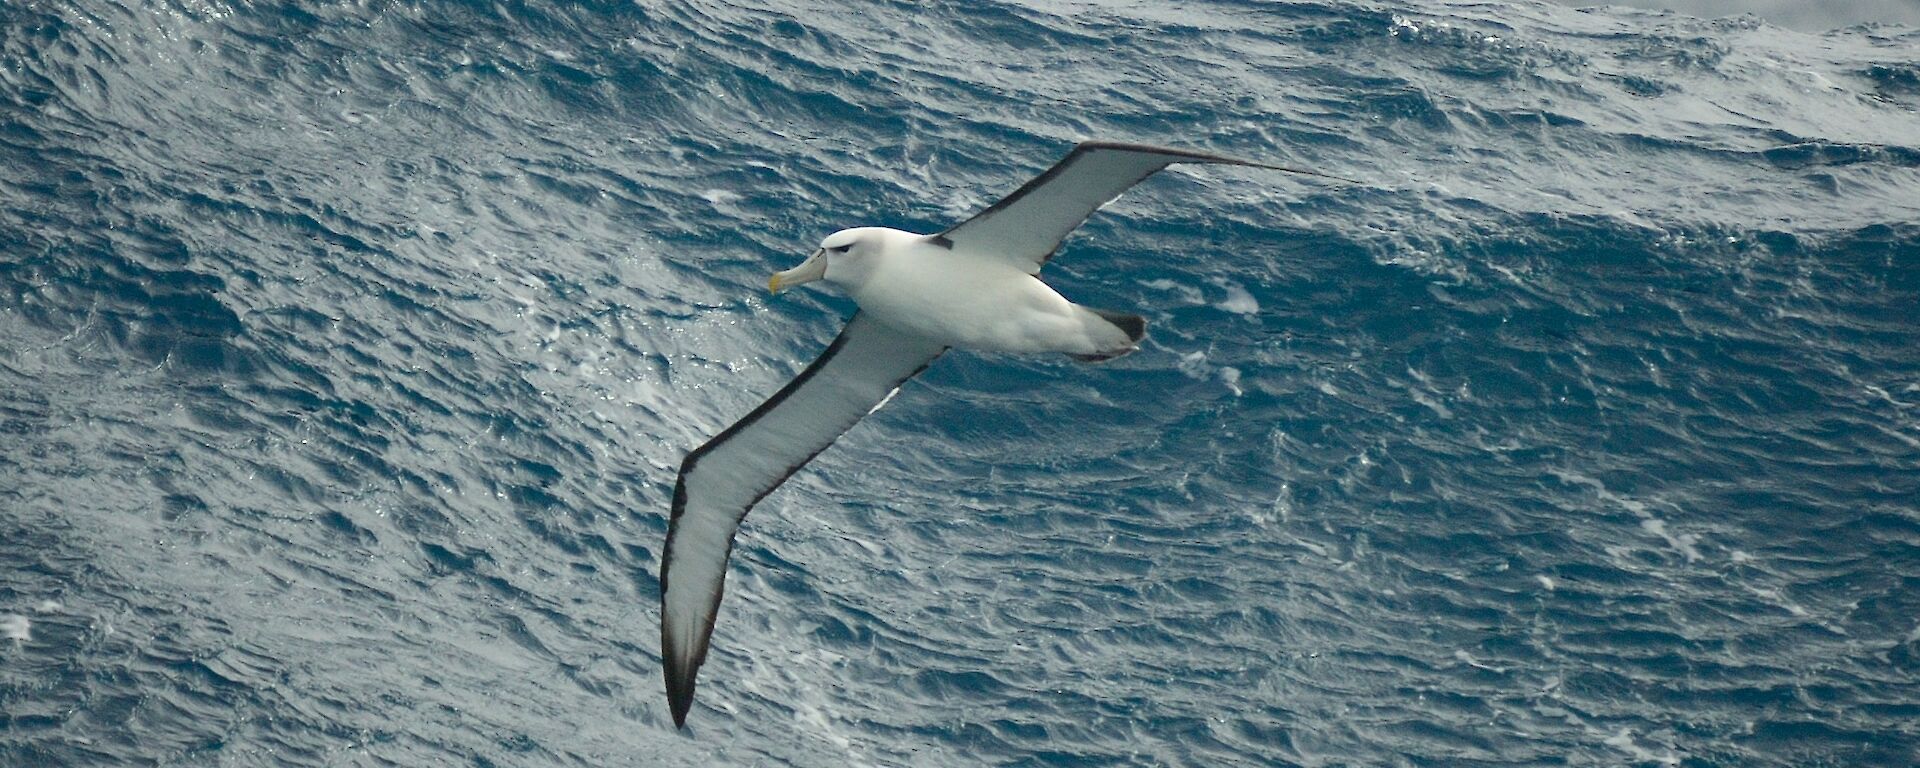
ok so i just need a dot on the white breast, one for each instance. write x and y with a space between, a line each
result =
965 301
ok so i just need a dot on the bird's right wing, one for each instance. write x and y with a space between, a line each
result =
723 479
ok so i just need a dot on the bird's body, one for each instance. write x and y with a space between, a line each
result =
973 286
972 301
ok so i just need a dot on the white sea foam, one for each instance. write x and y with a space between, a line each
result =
1195 365
1188 293
1624 741
15 627
1687 544
1238 300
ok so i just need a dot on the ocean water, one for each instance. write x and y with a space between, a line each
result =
348 352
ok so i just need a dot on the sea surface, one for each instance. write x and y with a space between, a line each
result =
348 352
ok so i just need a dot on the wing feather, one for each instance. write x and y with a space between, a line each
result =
1028 225
721 480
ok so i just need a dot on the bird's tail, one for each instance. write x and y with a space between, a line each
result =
1133 326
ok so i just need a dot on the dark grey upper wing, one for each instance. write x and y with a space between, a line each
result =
1029 224
723 479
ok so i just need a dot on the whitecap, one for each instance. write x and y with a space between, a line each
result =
15 627
1238 300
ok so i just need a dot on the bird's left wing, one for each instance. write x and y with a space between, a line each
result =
1029 224
723 479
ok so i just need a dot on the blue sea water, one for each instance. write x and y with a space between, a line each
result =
348 351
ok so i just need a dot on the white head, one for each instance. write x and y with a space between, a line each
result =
844 259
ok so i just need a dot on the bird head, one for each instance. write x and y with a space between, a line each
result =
840 259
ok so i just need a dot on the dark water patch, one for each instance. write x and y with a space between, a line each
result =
446 561
1894 80
1642 86
1815 154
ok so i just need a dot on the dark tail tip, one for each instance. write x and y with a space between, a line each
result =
1134 326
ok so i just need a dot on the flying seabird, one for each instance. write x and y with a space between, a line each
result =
972 286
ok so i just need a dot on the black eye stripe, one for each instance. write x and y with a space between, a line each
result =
842 249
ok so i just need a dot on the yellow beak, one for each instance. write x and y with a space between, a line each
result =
814 268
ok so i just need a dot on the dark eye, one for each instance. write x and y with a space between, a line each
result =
842 249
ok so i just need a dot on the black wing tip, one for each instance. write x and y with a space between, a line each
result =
679 694
682 669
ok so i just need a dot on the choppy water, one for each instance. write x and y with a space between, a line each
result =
347 352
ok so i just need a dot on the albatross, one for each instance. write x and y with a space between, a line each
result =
974 286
